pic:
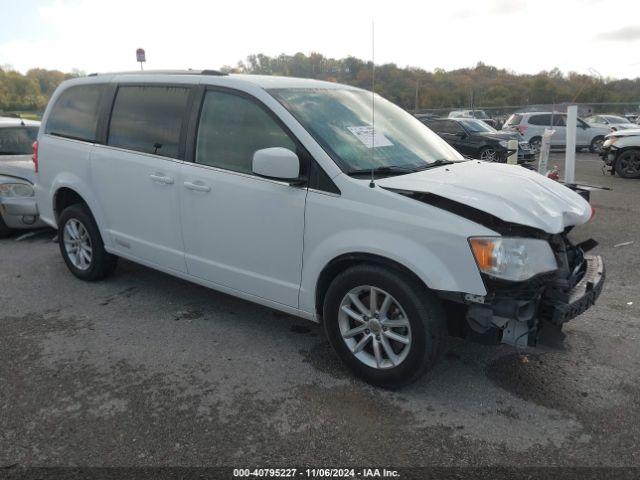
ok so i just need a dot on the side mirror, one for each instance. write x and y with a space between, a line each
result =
277 163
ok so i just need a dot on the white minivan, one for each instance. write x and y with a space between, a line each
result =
287 193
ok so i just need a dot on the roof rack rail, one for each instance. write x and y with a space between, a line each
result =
217 73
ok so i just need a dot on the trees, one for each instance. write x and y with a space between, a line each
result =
489 86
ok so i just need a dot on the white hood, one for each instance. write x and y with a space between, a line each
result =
510 192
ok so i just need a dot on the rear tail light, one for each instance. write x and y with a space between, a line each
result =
522 129
593 212
34 157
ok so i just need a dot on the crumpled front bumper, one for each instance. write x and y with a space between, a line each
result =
560 307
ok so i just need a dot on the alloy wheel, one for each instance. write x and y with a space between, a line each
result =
375 327
630 163
77 244
488 155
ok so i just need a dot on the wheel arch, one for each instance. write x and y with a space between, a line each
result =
342 262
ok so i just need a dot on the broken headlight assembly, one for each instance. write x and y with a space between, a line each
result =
14 190
511 258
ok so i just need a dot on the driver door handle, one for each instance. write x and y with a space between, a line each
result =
198 187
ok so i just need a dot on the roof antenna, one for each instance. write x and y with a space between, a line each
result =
372 184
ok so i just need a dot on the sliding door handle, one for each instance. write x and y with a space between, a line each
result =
198 187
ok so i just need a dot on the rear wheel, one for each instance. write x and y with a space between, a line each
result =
488 154
385 326
81 245
628 164
596 145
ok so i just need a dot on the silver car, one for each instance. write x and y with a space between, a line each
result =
532 125
17 202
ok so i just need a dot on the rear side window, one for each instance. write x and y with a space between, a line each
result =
17 140
543 120
148 119
232 128
75 113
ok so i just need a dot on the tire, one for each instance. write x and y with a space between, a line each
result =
89 265
628 164
411 304
5 232
488 154
535 144
596 144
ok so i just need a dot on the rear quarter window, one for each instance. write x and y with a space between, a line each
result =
75 113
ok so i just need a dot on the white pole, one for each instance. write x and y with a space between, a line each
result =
570 154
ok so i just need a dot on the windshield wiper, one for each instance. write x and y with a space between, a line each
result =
437 163
385 170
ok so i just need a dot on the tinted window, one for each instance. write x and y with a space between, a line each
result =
559 121
232 128
544 120
449 126
17 140
75 113
148 119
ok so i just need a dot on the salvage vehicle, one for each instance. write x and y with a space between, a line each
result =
621 153
532 125
17 202
475 139
614 122
478 114
288 193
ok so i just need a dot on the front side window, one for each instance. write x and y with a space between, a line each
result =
17 140
148 119
340 119
232 128
75 113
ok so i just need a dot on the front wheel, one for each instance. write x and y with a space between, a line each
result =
535 144
628 164
385 326
596 145
81 245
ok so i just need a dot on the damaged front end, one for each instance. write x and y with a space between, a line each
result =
516 312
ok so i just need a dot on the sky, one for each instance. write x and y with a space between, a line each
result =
598 37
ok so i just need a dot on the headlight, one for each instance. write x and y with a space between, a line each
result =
514 259
16 190
503 143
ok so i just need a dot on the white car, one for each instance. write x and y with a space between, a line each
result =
280 191
614 122
17 202
621 152
532 125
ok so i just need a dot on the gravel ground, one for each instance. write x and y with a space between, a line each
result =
144 369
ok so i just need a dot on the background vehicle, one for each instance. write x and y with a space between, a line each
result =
261 187
17 202
621 152
614 122
478 114
474 138
531 126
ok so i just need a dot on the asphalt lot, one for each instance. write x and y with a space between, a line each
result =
146 369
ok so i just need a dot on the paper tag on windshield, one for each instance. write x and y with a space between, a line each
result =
369 138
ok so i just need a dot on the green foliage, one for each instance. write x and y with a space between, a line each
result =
490 86
29 92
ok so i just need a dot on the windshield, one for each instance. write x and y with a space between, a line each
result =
475 126
340 121
17 140
614 119
479 114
